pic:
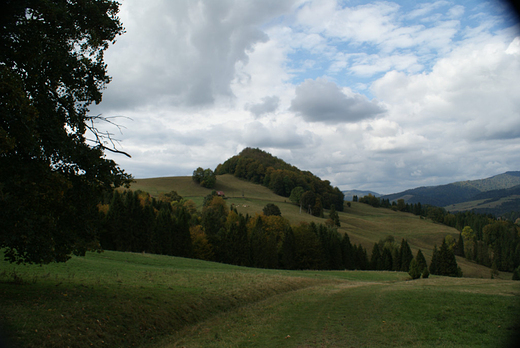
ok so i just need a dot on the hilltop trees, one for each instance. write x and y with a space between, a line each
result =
258 166
53 171
204 177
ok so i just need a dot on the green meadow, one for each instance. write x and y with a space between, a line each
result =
115 299
118 299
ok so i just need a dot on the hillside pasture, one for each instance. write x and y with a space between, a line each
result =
119 299
364 224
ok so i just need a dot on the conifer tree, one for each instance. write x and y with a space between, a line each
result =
459 246
434 264
375 259
421 261
406 255
347 252
334 216
288 250
386 257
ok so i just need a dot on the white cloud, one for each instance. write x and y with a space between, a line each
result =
323 101
204 79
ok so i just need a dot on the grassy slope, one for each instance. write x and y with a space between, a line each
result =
479 204
123 299
364 224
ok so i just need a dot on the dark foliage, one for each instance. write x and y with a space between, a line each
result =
204 177
271 209
51 175
260 167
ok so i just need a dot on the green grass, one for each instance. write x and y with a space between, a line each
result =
422 313
118 299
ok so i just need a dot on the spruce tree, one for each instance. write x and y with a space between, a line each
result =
421 261
434 264
386 256
375 259
406 256
347 252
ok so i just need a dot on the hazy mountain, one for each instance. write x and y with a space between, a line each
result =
360 193
502 189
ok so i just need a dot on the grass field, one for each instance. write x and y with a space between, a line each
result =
117 299
364 224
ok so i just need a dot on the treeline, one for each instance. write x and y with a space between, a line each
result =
260 167
483 239
170 225
388 255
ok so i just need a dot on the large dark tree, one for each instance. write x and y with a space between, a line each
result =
51 174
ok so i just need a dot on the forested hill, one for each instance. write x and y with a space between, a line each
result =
439 196
497 195
303 187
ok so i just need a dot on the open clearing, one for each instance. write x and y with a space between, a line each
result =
123 299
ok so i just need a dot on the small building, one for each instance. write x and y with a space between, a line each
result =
220 193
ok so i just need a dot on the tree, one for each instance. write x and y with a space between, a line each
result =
334 216
375 260
414 271
53 171
204 177
296 194
271 209
406 255
421 261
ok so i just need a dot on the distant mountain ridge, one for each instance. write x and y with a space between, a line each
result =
503 189
497 182
360 193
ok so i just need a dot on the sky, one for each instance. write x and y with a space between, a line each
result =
382 96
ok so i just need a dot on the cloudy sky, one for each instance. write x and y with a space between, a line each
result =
383 96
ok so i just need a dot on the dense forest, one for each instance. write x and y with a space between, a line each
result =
303 187
170 225
483 238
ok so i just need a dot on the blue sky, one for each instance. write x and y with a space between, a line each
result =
382 96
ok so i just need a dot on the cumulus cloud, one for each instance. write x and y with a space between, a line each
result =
183 52
382 96
268 105
321 100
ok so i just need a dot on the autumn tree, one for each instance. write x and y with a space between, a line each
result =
53 171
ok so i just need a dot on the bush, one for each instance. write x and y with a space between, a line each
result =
271 209
425 273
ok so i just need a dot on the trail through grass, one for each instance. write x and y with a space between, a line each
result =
118 299
423 313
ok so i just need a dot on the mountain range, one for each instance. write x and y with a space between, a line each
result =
497 195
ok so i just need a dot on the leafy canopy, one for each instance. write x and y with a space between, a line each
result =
52 174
